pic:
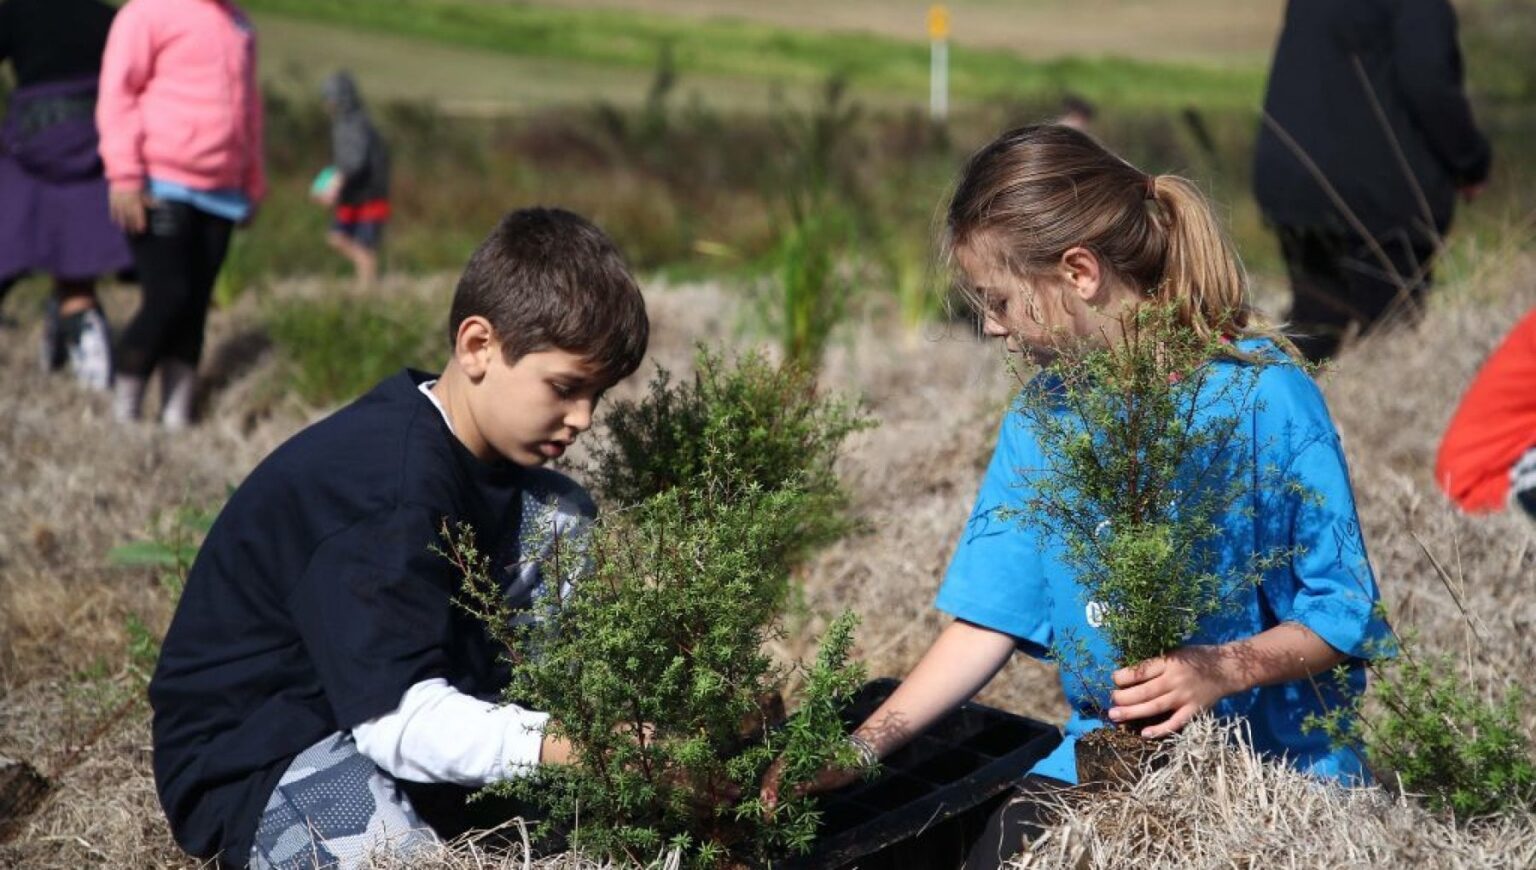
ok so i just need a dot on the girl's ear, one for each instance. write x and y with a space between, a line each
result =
474 345
1083 272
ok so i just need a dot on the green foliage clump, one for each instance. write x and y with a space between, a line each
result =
334 349
1141 441
1459 746
817 229
651 665
649 653
742 426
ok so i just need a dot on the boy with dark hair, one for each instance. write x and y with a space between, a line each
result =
317 667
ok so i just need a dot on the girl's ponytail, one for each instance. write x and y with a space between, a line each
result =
1202 275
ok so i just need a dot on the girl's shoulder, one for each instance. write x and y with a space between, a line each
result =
1288 411
1274 373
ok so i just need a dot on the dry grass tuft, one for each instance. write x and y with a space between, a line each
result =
1216 804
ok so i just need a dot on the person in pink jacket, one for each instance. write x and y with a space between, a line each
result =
180 115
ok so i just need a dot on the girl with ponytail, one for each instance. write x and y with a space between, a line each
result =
1056 241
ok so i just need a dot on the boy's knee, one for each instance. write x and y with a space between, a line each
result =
369 815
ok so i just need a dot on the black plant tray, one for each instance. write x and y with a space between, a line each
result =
964 761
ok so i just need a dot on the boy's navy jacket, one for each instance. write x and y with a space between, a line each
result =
1370 90
317 600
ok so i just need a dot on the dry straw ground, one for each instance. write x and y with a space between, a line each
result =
75 485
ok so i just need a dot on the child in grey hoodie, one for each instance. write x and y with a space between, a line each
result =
359 188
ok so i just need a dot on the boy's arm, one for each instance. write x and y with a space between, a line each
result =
439 734
1191 680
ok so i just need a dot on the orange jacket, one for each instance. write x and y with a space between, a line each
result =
1494 426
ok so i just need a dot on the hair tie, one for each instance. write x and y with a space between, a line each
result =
1151 187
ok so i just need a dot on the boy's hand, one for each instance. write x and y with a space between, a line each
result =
828 779
1183 683
330 193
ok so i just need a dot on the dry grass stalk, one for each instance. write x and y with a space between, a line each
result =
1216 804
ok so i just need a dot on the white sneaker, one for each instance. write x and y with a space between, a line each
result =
90 354
127 398
178 391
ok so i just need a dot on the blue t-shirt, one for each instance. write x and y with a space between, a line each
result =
1007 577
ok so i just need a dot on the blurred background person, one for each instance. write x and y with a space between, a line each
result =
358 184
1367 138
1077 113
53 198
1487 459
181 120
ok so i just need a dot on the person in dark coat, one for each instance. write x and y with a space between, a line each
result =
1366 141
53 197
359 189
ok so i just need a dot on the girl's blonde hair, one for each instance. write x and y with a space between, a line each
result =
1038 191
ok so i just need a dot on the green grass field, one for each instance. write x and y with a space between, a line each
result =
1197 31
582 41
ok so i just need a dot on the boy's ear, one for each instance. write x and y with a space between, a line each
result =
474 346
1083 272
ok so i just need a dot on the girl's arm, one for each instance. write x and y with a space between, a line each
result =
1190 680
126 66
256 124
962 660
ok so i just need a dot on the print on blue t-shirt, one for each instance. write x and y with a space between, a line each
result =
1007 577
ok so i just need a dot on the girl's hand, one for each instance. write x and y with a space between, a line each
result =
1183 683
1192 679
126 208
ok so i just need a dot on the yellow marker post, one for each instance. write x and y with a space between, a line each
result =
938 70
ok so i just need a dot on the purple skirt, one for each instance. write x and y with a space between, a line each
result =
53 198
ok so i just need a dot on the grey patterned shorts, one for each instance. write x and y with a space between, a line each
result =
334 808
1522 483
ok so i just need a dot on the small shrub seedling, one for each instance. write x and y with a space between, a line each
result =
1459 745
647 648
171 548
651 664
739 425
1141 441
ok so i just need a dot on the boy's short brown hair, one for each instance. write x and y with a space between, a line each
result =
548 279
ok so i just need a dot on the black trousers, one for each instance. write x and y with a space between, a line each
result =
1022 817
178 258
1338 280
